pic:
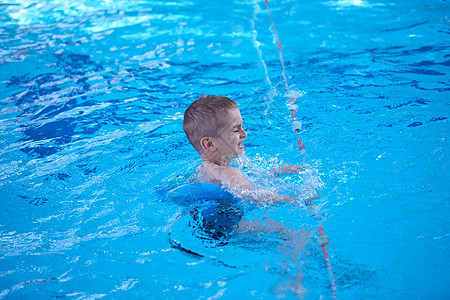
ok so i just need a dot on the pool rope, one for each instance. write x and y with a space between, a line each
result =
278 43
292 95
323 240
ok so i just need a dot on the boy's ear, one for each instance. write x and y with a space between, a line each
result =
207 144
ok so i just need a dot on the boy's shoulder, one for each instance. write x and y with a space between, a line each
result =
227 175
233 178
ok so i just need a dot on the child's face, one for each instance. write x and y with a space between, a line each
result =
230 137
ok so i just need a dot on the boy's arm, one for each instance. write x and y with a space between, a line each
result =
287 168
237 182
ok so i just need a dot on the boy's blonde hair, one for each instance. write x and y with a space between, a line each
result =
205 116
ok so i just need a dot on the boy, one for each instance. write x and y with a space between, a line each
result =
214 127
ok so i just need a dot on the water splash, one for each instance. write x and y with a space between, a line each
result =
267 177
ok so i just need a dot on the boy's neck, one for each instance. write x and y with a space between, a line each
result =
222 162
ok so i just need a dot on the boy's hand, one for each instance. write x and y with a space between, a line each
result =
288 168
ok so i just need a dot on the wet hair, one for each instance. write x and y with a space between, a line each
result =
205 116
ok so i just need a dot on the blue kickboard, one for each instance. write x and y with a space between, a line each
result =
192 193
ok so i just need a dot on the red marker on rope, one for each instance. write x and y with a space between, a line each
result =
301 146
292 95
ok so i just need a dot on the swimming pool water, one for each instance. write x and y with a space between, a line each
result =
92 97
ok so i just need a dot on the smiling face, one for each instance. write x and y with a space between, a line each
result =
228 142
